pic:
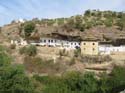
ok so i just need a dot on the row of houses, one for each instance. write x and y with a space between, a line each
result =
50 42
88 47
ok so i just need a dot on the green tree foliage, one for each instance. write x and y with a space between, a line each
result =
13 80
87 13
4 59
29 27
71 82
75 82
117 80
108 22
103 84
77 52
12 77
22 50
71 22
31 50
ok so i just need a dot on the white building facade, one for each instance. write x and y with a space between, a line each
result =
19 42
62 44
107 50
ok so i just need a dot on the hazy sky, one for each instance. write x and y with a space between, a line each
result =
28 9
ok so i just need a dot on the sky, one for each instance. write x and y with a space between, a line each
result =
28 9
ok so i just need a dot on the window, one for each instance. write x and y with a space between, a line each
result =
41 40
84 43
52 41
93 43
48 40
44 41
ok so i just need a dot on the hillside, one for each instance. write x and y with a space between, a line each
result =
38 69
95 24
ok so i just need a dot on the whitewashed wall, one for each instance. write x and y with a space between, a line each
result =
111 49
19 42
63 44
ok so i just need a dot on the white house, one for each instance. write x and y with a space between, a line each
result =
111 49
62 44
19 42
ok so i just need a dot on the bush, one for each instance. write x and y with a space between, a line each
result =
22 50
5 59
12 46
95 59
12 77
70 82
77 52
63 53
13 80
30 50
2 48
29 27
117 80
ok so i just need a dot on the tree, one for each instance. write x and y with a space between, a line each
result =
87 13
12 77
108 22
29 27
103 84
4 59
13 80
88 83
31 50
120 24
117 80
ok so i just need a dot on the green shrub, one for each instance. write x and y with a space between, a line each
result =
22 50
29 27
2 48
30 50
13 80
5 59
70 82
77 52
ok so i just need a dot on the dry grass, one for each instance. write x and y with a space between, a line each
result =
38 65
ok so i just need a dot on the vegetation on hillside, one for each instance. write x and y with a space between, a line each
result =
75 82
91 18
31 50
13 78
29 27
